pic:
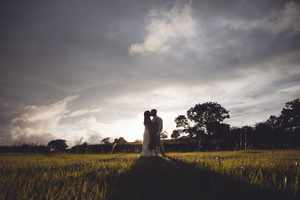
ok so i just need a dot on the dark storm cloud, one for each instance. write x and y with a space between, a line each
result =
103 51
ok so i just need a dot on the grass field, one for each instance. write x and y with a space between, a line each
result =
207 175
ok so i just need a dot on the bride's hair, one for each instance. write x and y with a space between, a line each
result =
147 119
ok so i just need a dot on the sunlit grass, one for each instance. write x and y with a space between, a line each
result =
277 170
93 176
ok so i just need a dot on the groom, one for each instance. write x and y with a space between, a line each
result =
157 123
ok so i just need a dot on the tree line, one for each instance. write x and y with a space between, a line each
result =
205 123
202 128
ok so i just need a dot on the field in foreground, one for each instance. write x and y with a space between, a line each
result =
208 175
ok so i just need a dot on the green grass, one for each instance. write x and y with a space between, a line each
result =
207 175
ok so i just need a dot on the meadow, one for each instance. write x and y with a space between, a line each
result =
253 174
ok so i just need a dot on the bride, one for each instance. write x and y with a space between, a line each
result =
147 149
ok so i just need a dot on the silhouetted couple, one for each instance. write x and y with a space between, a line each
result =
153 128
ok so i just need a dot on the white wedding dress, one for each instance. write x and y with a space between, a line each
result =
146 152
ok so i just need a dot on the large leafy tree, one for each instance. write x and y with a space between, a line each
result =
207 116
182 122
182 125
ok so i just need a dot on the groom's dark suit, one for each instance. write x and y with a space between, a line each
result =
152 128
157 127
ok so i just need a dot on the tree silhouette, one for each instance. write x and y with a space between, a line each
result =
182 121
117 142
246 136
204 124
164 135
207 116
175 134
290 115
263 134
182 125
120 140
57 145
220 130
106 140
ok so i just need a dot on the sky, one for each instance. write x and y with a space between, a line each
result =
83 70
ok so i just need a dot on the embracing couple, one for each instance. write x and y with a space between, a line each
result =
153 128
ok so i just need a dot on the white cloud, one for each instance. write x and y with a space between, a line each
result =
78 113
37 124
250 96
90 127
278 21
40 124
165 28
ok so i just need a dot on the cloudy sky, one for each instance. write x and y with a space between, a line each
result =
89 68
